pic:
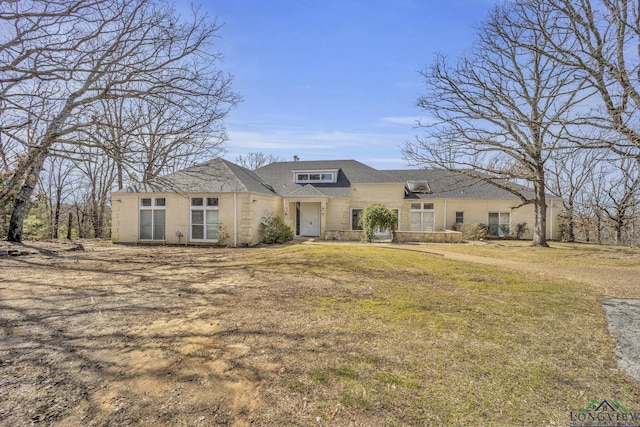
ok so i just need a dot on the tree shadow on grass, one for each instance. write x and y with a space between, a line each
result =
154 338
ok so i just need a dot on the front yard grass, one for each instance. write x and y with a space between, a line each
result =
328 334
404 338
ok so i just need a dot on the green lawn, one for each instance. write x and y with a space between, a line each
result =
405 338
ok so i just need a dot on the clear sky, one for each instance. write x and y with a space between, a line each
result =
334 79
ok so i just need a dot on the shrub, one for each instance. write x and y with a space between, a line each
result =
377 216
273 229
473 231
521 229
224 238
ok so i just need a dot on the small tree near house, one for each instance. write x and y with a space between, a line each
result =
377 217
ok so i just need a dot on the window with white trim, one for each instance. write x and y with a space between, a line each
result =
422 217
499 224
309 177
204 219
152 218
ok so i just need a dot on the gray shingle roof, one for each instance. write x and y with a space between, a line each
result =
222 176
215 176
453 185
280 176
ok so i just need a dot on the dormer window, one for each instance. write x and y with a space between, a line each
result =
315 177
419 187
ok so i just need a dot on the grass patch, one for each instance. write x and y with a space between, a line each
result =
397 337
559 253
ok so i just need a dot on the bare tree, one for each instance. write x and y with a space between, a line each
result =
55 185
622 195
98 173
599 40
130 49
255 160
500 112
568 176
174 134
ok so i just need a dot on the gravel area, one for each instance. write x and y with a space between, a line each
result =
623 317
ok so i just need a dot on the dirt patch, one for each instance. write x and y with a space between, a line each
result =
122 336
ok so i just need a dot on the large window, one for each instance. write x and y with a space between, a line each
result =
152 218
499 224
204 218
422 217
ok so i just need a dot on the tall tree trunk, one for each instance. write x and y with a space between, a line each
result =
120 172
570 223
96 219
69 225
619 224
540 222
56 213
21 203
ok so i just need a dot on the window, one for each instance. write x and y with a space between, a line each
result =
459 217
422 217
152 218
303 177
355 219
499 224
204 218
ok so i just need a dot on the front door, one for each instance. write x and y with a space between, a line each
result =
310 219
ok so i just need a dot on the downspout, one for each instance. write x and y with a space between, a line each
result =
551 223
444 227
235 220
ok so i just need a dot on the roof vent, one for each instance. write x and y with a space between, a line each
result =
268 187
418 186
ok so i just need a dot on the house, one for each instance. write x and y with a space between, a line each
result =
221 202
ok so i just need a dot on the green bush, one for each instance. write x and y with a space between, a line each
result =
273 229
377 216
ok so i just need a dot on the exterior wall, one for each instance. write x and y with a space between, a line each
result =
476 211
335 216
338 214
249 210
390 195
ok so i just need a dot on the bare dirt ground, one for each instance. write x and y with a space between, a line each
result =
81 345
116 335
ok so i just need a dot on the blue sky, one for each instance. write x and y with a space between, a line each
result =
334 79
